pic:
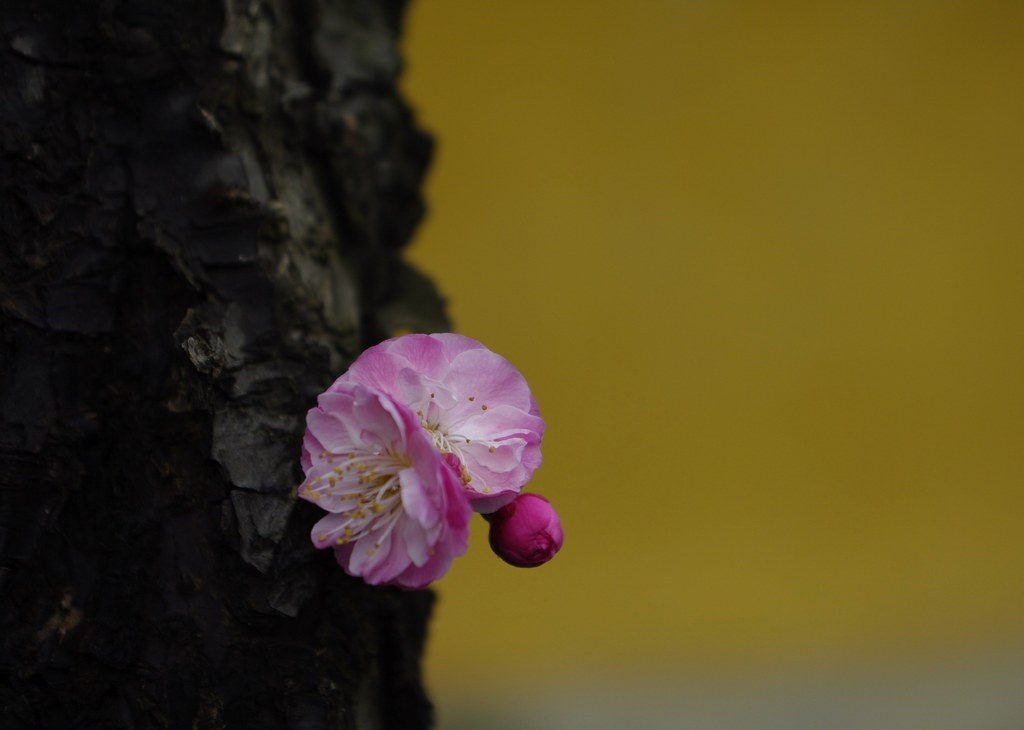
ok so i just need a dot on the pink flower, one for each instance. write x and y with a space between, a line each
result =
398 513
527 532
471 402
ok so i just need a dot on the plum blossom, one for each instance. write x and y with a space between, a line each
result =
470 402
526 532
398 514
420 431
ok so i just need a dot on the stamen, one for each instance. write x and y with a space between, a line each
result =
371 480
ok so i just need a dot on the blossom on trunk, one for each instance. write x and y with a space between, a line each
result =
471 403
397 511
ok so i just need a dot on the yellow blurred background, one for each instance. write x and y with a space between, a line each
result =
762 265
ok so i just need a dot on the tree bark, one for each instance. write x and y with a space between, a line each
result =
203 204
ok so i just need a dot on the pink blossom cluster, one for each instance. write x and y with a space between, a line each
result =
421 431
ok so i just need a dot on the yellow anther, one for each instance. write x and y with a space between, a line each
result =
486 490
340 541
376 508
483 408
472 398
332 481
322 537
490 450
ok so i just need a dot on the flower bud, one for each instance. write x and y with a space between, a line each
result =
525 532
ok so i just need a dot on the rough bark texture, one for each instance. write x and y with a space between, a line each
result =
202 204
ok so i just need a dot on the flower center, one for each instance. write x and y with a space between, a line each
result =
453 443
367 488
447 443
443 441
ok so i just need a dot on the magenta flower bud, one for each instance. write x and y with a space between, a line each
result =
526 532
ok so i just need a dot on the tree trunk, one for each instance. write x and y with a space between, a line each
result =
203 203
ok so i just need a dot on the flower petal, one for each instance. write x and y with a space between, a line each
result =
423 354
377 559
416 499
336 434
379 421
501 422
502 469
490 380
311 446
326 532
414 540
